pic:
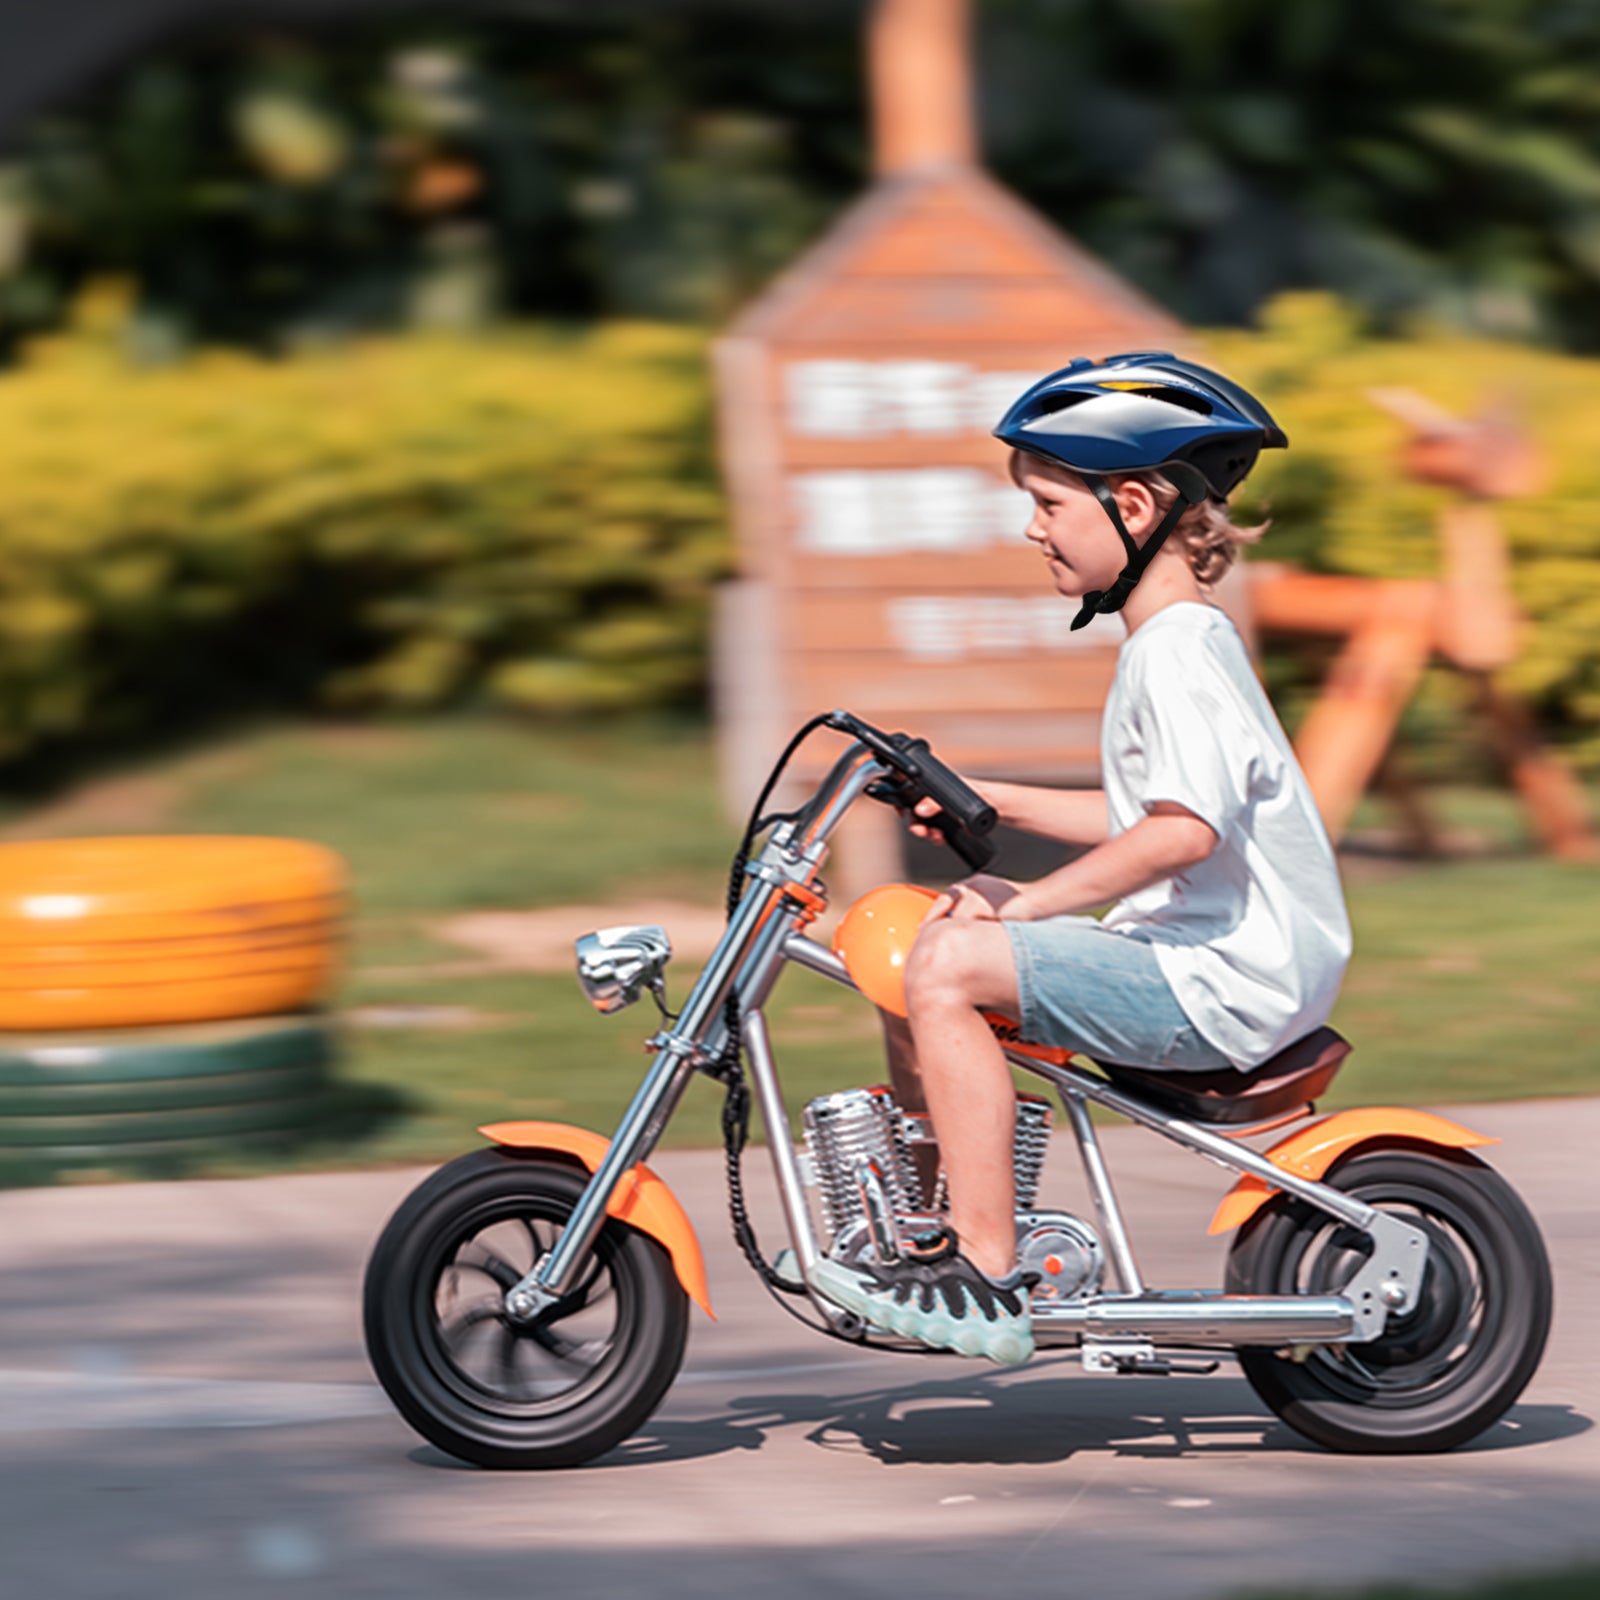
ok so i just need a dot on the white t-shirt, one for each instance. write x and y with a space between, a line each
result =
1254 939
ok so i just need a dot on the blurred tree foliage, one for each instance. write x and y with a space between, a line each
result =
1438 155
663 159
531 521
275 189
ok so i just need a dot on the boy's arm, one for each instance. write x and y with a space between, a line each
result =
1168 840
1072 816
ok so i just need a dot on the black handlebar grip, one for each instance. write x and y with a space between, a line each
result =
955 796
976 849
965 818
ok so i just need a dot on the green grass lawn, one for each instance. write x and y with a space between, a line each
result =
1571 1583
1473 978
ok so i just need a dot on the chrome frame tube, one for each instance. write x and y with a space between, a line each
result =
805 952
1197 1318
1070 1081
780 1142
1216 1147
642 1123
1104 1195
755 977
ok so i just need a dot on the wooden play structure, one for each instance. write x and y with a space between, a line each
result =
1392 629
881 563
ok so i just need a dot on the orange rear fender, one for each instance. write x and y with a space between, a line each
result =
641 1199
1313 1150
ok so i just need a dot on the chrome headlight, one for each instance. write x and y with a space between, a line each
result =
616 965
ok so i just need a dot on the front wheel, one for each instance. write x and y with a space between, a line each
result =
1441 1372
553 1392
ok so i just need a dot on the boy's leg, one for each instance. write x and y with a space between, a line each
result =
901 1053
906 1081
935 1293
956 971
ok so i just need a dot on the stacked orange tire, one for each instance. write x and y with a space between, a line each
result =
159 995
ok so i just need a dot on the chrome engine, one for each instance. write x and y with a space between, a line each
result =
852 1129
860 1154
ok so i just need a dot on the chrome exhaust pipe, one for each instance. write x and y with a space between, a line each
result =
1198 1318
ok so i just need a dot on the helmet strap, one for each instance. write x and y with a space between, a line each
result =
1192 491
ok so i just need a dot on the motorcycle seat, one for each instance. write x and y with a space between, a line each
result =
1293 1078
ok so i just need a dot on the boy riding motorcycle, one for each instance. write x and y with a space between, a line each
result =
1227 936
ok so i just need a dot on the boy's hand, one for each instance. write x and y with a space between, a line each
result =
919 818
976 899
925 808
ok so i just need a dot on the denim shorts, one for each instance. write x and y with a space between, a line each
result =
1088 989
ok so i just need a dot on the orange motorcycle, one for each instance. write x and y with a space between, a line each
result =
528 1305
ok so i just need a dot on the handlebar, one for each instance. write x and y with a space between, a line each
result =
965 819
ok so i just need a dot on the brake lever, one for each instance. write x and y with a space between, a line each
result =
892 791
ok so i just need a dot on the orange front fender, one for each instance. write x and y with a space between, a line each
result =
1310 1152
641 1199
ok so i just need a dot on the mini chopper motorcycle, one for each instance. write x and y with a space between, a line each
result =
527 1305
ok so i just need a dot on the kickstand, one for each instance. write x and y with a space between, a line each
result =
1138 1356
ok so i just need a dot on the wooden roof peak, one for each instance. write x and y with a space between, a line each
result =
951 226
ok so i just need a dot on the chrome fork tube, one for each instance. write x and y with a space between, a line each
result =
1105 1197
855 770
747 953
553 1275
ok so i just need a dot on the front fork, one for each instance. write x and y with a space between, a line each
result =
745 964
554 1274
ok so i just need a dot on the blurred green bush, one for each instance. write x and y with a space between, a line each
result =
530 519
1339 503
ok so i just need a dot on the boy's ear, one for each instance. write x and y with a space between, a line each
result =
1140 512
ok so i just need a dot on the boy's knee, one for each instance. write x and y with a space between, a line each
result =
944 965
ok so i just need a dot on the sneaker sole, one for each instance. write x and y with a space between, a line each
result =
1008 1342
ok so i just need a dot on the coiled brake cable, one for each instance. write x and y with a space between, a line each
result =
729 1068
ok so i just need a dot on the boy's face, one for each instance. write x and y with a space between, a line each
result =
1070 527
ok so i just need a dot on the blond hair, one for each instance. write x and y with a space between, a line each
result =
1209 536
1206 532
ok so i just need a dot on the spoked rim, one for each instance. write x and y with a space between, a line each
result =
520 1370
1435 1346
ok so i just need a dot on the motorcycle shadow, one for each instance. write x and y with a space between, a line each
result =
1005 1419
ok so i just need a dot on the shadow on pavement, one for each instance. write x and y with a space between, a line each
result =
983 1419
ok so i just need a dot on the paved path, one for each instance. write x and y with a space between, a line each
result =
185 1410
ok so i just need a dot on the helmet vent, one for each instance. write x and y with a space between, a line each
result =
1176 397
1048 404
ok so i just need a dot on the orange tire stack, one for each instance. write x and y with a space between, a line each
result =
158 995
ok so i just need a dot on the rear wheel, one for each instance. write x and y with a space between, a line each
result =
553 1392
1445 1369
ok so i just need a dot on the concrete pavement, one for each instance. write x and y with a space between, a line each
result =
185 1409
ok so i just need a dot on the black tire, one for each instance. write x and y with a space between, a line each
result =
565 1389
1443 1372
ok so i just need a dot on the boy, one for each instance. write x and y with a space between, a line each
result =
1227 937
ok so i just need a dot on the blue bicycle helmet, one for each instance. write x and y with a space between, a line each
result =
1148 411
